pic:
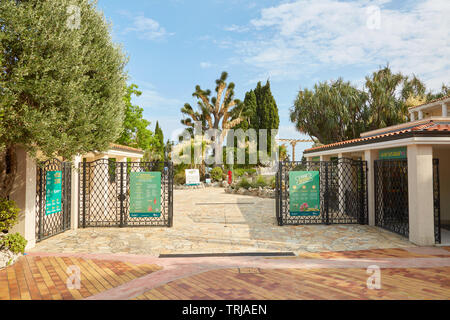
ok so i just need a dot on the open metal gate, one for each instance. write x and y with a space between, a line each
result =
391 196
104 193
343 192
53 204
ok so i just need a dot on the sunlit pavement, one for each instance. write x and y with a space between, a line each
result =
212 221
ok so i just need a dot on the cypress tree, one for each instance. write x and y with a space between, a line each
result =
265 114
160 138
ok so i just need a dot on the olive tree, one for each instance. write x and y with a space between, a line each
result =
62 81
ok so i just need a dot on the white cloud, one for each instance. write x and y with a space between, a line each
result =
306 36
205 65
147 28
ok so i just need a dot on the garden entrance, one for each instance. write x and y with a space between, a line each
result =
53 180
125 194
391 196
322 192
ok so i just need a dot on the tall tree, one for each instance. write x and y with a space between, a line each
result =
62 82
332 111
135 131
219 112
160 148
337 111
266 116
387 95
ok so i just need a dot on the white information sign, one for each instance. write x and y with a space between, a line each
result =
192 177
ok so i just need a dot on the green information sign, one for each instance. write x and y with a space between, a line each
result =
304 193
145 194
393 153
53 192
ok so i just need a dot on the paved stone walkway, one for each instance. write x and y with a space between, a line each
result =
410 273
212 221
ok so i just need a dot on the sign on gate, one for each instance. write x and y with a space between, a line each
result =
53 193
145 194
393 153
304 193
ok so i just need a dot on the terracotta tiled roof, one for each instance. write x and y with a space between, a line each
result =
127 148
428 127
430 102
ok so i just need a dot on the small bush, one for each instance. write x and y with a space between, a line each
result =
179 178
273 183
14 242
260 182
8 214
244 183
217 174
239 172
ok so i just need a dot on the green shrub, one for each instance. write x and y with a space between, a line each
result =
14 242
273 182
217 174
179 178
244 183
260 182
8 214
239 172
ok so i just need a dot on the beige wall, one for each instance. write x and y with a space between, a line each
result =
24 194
443 154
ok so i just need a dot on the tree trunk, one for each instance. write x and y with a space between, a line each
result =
8 170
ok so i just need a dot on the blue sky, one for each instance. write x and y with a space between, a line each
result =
173 45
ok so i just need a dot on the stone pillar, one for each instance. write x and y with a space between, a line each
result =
370 156
420 114
444 110
420 197
75 184
412 116
24 194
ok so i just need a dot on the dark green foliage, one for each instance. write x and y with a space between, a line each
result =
135 131
260 111
61 89
217 174
13 242
336 110
8 214
260 182
244 183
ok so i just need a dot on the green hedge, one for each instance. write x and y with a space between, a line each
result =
14 242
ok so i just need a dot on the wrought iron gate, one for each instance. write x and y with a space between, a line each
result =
391 196
436 201
105 193
343 192
50 223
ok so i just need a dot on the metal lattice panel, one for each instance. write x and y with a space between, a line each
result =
48 225
105 193
437 201
391 195
343 192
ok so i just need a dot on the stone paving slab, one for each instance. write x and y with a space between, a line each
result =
212 221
